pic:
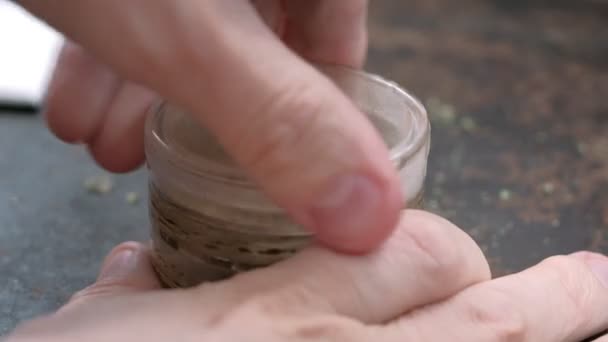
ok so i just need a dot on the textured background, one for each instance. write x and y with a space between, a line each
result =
516 91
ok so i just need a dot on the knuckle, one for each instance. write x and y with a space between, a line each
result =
290 301
504 321
78 296
284 126
264 305
567 276
83 297
288 316
95 290
84 294
442 259
325 328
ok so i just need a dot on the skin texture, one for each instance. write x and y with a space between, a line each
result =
241 68
442 281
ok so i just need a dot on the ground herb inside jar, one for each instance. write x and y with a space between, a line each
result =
207 240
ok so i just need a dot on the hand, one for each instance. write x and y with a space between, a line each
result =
429 282
249 85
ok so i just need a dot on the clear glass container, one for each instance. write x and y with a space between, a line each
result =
209 221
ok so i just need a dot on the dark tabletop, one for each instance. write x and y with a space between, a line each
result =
517 95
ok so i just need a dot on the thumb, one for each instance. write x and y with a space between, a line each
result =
127 268
128 265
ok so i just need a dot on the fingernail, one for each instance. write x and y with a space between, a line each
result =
597 263
119 263
347 213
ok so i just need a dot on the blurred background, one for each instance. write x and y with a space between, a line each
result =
516 91
29 49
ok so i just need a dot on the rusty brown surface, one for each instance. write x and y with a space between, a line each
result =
517 92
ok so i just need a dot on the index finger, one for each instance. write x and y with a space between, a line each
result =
308 147
427 259
562 299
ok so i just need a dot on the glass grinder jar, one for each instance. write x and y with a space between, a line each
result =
210 221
